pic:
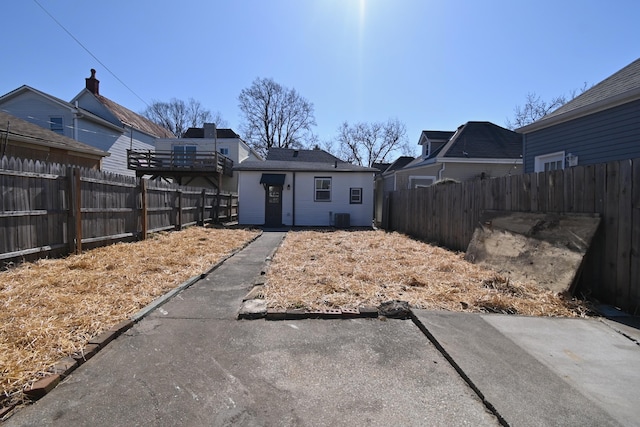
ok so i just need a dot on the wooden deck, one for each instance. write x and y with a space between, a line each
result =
169 163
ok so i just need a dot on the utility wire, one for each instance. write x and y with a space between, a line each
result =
89 52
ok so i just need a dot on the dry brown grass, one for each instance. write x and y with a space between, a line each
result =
342 269
49 309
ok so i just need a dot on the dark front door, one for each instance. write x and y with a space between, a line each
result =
273 208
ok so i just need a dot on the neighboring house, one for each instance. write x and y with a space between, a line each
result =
475 150
207 141
600 125
385 182
89 118
24 140
304 188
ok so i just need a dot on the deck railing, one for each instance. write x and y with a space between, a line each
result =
170 161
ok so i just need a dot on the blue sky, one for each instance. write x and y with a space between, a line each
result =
431 64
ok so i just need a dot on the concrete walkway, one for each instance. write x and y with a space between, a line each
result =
190 362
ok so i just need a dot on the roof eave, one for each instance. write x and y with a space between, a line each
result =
477 160
586 110
60 146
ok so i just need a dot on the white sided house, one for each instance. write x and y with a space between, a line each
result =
308 188
209 140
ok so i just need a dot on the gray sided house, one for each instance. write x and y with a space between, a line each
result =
600 125
385 182
474 150
304 188
89 118
24 140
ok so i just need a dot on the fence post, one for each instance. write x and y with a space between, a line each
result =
77 210
144 221
216 207
179 217
202 204
71 211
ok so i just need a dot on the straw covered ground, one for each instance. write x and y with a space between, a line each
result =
49 309
350 269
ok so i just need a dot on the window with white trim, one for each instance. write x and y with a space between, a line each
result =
224 151
355 196
549 162
322 189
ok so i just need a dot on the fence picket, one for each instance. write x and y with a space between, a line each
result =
50 209
448 214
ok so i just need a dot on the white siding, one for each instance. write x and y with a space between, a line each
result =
307 212
312 213
250 198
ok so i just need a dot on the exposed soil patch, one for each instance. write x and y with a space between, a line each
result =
348 269
50 309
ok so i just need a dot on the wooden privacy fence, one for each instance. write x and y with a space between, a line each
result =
51 210
447 214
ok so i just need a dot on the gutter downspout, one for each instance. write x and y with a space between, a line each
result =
444 166
524 152
293 208
75 123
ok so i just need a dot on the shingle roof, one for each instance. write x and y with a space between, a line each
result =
293 155
609 92
484 140
381 166
438 134
400 162
134 120
286 165
220 133
35 134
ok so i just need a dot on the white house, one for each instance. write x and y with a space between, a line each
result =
89 118
304 188
209 140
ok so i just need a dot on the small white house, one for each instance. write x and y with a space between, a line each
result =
305 189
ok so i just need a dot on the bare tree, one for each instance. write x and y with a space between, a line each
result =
535 107
275 116
178 115
368 143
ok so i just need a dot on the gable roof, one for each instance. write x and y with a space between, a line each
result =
23 130
294 155
484 140
135 120
220 133
479 141
619 88
25 88
123 114
381 167
399 163
437 135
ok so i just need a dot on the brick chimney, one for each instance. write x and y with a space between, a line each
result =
93 84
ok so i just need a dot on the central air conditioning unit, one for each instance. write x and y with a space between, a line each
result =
342 220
